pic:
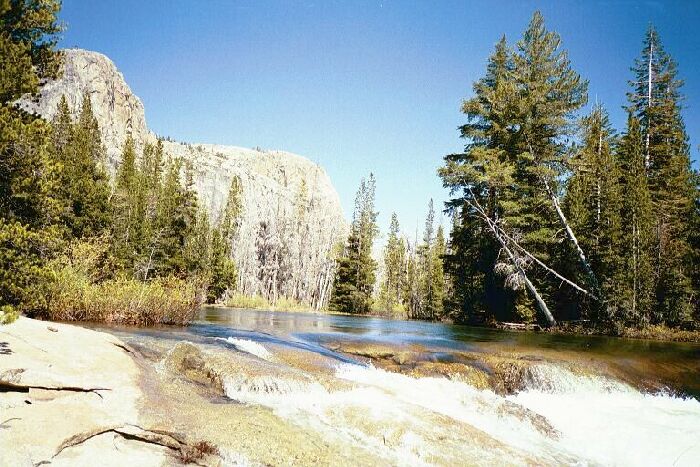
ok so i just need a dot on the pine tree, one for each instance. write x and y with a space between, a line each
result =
482 173
493 176
28 172
62 128
356 269
435 302
655 100
222 266
637 294
198 250
694 241
411 291
193 229
146 196
550 93
28 38
394 257
594 203
423 308
84 185
126 223
173 220
519 120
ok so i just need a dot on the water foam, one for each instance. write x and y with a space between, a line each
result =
597 420
249 346
614 424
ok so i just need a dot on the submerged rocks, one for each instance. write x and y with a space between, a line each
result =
235 375
153 401
503 373
188 361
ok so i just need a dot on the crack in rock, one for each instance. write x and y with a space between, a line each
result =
131 432
6 386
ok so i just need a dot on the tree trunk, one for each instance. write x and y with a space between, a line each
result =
528 284
544 266
635 251
647 156
570 233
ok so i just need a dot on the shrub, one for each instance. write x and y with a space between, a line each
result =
8 314
122 301
75 293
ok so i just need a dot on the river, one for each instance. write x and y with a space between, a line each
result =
417 393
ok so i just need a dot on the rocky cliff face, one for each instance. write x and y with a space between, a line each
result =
292 215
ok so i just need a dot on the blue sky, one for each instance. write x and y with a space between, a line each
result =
359 86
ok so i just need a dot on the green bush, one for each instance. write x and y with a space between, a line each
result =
22 265
74 295
8 314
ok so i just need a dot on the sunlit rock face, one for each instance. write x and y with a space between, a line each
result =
292 214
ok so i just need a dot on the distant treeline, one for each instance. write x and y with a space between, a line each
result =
555 217
411 282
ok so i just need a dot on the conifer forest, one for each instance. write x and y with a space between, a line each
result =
556 216
483 259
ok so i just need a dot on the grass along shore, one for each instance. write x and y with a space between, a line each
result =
256 302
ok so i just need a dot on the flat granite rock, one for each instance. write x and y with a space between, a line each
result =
63 392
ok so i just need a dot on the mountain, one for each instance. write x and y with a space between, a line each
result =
292 219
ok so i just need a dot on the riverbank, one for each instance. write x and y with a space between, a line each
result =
256 302
70 395
659 333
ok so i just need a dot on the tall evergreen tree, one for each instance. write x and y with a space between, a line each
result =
83 186
27 171
425 252
655 99
594 202
484 174
695 247
126 223
174 217
356 269
519 122
394 257
146 196
637 245
550 92
222 267
435 300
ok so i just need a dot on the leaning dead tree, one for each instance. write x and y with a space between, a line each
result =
496 231
569 231
516 254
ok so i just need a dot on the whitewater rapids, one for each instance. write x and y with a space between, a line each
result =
559 417
279 388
